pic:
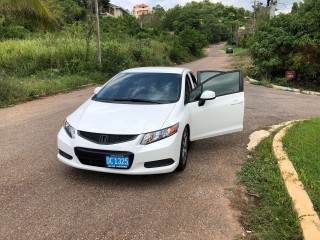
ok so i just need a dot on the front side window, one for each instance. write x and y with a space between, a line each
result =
142 87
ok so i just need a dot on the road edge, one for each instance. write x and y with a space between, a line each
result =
282 88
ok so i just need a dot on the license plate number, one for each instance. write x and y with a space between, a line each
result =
117 161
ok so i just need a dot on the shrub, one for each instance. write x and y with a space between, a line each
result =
286 43
193 40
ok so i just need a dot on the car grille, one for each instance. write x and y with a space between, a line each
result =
97 158
106 139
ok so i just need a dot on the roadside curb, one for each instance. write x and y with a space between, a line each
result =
308 218
257 136
288 89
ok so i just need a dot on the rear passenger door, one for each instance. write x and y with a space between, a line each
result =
221 115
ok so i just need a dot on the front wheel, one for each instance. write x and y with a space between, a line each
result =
184 150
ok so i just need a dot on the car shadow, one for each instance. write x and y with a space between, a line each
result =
94 178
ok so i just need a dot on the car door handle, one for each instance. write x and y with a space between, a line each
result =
236 102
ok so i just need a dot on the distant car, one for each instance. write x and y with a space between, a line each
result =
142 120
229 50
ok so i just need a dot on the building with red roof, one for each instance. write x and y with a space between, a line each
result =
141 9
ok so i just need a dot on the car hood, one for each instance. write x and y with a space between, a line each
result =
114 118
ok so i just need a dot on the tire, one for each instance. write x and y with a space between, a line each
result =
183 151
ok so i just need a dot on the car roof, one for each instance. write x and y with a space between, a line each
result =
176 70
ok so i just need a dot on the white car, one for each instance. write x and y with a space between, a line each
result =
143 119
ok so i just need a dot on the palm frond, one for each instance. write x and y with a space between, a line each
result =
38 11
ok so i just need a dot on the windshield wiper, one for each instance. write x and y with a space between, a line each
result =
135 100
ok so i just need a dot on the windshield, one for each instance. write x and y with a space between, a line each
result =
153 88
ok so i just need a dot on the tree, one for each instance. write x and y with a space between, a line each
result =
71 10
287 42
216 21
39 12
295 7
193 40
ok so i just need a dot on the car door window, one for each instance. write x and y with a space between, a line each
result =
222 84
205 75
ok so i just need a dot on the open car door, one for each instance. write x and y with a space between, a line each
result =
216 105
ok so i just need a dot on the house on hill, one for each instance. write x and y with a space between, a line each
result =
115 11
141 9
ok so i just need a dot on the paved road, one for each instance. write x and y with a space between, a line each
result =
42 198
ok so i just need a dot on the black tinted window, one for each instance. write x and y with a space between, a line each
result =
160 87
223 84
207 74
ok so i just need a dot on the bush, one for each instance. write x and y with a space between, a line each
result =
179 54
193 40
286 43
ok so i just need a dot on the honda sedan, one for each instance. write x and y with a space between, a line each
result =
143 119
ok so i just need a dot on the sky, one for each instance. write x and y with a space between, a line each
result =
283 5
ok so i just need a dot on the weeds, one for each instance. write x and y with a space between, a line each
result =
269 213
56 62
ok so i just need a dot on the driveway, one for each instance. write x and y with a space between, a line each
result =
42 198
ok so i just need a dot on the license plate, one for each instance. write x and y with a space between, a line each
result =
117 161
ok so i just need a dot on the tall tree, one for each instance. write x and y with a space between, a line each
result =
39 12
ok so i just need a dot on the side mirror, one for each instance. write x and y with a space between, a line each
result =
206 95
97 90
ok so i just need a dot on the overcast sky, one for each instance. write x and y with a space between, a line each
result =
283 6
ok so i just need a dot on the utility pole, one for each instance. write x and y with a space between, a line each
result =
98 31
273 6
254 16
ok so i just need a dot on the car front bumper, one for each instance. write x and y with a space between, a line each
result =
168 148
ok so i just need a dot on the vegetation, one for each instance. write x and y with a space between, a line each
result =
37 11
269 213
216 21
289 42
35 60
302 146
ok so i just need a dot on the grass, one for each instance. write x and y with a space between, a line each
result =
302 144
36 67
15 90
268 213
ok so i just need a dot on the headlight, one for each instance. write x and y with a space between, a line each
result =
159 135
71 131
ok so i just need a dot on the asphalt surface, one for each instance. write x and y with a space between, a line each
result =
42 198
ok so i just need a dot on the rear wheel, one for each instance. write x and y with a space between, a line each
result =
184 150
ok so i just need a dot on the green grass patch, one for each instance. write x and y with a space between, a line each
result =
269 213
15 90
302 144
